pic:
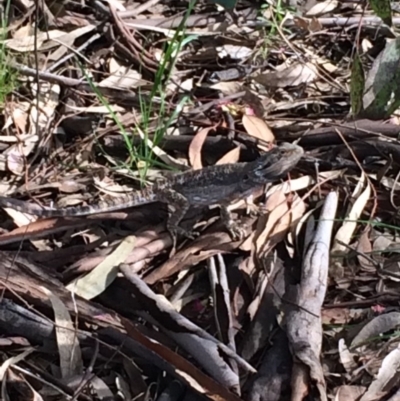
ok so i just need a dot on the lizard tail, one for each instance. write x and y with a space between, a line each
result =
124 202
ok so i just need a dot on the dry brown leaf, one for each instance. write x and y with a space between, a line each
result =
257 128
296 74
39 228
196 146
364 247
349 393
301 23
315 25
335 316
201 249
231 157
281 216
277 224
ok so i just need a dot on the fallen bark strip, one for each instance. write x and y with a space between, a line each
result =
303 319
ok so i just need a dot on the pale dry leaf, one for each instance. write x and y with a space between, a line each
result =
366 45
71 186
234 52
347 359
27 43
257 128
349 393
296 74
117 5
308 220
23 32
123 387
36 395
16 159
195 147
303 182
14 360
329 67
101 389
19 116
66 41
21 138
122 77
346 231
381 243
48 102
322 8
387 182
187 84
71 363
277 224
166 158
20 219
297 211
231 157
98 109
228 88
381 384
113 65
94 283
321 61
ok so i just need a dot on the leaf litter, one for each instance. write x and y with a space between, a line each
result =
106 98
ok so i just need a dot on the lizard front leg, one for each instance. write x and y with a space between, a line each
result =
234 229
180 206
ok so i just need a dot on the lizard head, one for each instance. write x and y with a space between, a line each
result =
274 164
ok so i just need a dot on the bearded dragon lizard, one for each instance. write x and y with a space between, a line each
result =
213 185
